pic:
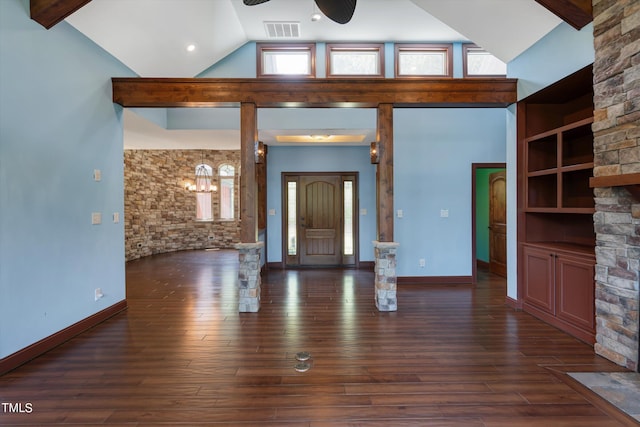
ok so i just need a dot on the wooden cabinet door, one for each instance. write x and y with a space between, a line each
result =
575 288
539 278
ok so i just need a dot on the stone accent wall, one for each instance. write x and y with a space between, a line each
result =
617 151
159 213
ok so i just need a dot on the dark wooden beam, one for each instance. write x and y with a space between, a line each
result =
248 183
629 181
49 12
576 13
385 172
365 93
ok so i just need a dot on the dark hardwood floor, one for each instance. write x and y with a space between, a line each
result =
182 355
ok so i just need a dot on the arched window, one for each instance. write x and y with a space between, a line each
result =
227 178
204 212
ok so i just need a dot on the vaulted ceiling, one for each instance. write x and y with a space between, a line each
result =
151 36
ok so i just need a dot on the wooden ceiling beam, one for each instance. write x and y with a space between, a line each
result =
49 12
576 13
369 93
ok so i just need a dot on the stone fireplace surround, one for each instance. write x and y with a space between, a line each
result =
616 130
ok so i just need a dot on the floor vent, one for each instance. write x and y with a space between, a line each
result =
282 30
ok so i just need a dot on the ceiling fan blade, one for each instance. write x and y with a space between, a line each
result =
339 11
254 2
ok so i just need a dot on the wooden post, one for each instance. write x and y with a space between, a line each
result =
248 184
384 175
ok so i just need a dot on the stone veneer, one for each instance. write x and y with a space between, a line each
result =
617 151
249 279
386 280
159 214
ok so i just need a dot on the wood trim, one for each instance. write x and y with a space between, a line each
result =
369 93
615 180
384 174
284 47
482 264
435 280
515 304
630 182
423 47
49 12
366 265
248 184
585 336
34 350
476 262
261 179
355 47
293 261
466 47
596 400
576 13
278 265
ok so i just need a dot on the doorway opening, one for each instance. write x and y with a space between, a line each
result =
489 227
319 218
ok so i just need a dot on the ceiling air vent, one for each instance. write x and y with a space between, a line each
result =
282 30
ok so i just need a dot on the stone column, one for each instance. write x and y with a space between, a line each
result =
385 275
249 277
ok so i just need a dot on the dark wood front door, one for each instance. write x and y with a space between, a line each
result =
498 223
320 219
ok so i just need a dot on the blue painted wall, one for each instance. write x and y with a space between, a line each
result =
57 124
561 52
433 153
320 159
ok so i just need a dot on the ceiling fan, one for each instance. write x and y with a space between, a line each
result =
339 11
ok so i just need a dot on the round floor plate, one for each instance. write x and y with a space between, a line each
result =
303 355
302 367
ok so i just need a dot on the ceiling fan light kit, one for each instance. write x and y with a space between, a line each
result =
340 11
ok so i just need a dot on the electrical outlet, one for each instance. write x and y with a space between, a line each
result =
422 263
96 218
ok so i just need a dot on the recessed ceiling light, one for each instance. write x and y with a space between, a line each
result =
191 48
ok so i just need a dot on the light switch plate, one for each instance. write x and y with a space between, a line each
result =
444 213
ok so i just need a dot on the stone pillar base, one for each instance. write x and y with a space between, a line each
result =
385 275
249 277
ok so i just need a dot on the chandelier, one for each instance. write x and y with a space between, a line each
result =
203 182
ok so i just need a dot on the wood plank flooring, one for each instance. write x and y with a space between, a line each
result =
182 355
